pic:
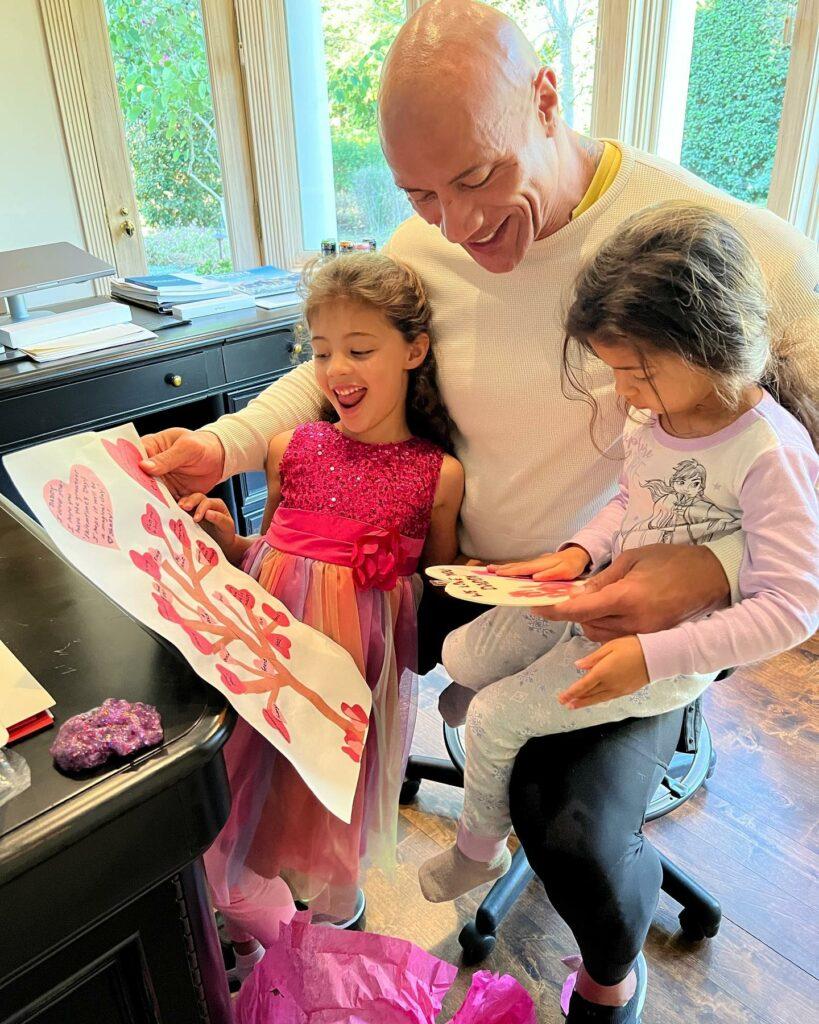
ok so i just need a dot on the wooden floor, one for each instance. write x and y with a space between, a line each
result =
750 837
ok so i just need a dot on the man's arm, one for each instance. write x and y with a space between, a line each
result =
645 590
295 398
191 461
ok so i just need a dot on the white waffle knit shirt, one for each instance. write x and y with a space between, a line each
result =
533 477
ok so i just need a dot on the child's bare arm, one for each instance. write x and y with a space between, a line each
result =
441 547
275 451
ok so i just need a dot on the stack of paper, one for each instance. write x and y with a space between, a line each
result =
89 341
37 329
73 332
162 291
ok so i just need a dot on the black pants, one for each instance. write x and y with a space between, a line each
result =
578 803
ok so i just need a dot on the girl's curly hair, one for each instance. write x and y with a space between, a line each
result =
397 292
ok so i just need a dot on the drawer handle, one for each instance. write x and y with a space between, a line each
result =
174 379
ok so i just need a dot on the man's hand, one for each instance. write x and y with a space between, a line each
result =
646 590
567 564
613 670
187 460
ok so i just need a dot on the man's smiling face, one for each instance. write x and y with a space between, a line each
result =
479 165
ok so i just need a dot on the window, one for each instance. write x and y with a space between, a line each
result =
739 66
564 33
282 144
164 89
336 51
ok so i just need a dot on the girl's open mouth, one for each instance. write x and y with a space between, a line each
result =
349 397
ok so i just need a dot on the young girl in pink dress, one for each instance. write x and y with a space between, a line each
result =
353 507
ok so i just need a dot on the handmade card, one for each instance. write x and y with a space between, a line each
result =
124 531
24 703
479 585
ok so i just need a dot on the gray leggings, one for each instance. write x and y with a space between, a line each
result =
518 663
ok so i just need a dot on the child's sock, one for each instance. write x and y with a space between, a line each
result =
245 962
452 873
453 704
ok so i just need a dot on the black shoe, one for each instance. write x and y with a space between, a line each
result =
355 923
581 1011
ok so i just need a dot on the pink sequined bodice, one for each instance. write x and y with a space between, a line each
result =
391 486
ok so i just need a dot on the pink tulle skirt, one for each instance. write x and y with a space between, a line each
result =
277 829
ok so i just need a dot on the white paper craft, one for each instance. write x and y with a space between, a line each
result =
124 531
21 696
477 584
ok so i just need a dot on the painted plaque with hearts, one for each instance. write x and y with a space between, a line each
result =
297 688
480 586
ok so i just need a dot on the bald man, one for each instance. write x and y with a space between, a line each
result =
509 202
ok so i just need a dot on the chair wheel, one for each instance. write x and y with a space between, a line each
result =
696 928
409 791
712 765
475 944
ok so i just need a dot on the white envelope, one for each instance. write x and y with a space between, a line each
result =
21 696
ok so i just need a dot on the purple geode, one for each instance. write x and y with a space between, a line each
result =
115 729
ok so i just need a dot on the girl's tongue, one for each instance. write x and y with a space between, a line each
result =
349 397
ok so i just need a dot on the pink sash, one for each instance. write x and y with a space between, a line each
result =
376 556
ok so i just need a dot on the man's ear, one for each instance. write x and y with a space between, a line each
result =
417 351
546 96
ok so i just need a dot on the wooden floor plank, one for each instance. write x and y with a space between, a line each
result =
753 844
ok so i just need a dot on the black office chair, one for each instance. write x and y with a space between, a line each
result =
690 767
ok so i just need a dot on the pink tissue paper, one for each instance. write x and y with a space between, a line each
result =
494 1000
316 975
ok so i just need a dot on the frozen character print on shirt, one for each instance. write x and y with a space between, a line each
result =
682 504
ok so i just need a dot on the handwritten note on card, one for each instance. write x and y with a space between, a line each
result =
477 584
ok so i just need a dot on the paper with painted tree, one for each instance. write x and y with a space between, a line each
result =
124 531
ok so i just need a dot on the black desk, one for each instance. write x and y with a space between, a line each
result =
104 917
188 376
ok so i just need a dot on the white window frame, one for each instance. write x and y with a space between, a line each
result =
80 55
634 71
794 191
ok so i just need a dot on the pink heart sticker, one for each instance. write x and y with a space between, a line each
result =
128 457
82 506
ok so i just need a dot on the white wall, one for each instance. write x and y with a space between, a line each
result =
37 201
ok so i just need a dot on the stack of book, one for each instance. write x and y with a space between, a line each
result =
184 295
73 332
261 282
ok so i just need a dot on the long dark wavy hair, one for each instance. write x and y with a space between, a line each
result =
397 292
678 278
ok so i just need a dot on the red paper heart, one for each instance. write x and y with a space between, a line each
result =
82 506
128 457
